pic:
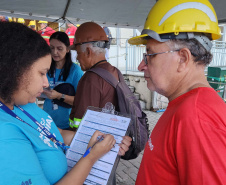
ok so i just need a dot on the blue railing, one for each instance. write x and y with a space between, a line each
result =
134 55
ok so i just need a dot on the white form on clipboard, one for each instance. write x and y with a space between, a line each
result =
108 124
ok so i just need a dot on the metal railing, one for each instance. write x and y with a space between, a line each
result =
219 53
134 55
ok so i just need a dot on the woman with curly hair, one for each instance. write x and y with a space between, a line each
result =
32 147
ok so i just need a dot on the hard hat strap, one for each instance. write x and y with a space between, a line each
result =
205 41
100 44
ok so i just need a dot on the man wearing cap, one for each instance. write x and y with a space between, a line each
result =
92 90
188 143
32 25
71 32
3 18
90 43
45 31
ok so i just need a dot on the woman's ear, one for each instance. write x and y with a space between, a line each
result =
185 58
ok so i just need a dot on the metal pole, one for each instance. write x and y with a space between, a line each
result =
66 9
118 44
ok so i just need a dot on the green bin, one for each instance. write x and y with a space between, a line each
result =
216 77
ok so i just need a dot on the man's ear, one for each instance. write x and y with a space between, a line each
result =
185 58
88 52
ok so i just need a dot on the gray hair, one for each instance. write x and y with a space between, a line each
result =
96 50
199 53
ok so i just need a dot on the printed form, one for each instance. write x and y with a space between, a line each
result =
108 124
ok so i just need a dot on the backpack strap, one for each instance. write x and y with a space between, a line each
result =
106 75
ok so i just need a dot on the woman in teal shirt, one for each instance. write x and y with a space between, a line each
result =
62 70
31 146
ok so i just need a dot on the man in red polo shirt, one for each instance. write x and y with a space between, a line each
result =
45 31
71 32
188 144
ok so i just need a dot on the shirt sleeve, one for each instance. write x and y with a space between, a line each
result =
88 94
19 162
78 73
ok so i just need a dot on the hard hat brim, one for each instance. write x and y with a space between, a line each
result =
138 40
142 38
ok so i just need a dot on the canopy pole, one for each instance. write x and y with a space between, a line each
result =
66 9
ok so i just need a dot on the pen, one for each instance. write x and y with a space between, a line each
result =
88 150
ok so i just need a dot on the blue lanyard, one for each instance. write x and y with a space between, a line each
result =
54 77
43 129
54 84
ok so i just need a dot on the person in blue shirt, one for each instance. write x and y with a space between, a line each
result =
62 70
32 147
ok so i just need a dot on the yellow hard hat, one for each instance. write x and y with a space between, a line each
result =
175 17
43 22
31 23
21 20
77 25
10 19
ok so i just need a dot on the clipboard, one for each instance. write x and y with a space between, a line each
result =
108 121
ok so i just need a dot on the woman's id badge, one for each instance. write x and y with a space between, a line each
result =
55 106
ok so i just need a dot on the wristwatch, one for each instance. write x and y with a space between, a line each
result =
62 98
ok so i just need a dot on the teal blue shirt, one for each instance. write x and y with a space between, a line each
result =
26 156
61 115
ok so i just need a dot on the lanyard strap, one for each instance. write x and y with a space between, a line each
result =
43 129
54 77
54 84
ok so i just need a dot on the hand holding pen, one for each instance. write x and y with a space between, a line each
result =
99 144
88 150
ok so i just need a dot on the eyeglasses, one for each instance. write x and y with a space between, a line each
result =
145 55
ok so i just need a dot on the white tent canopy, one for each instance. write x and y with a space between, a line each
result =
115 13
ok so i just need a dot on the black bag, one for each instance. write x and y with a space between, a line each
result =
67 89
139 129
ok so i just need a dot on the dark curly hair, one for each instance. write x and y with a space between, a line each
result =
20 47
62 37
